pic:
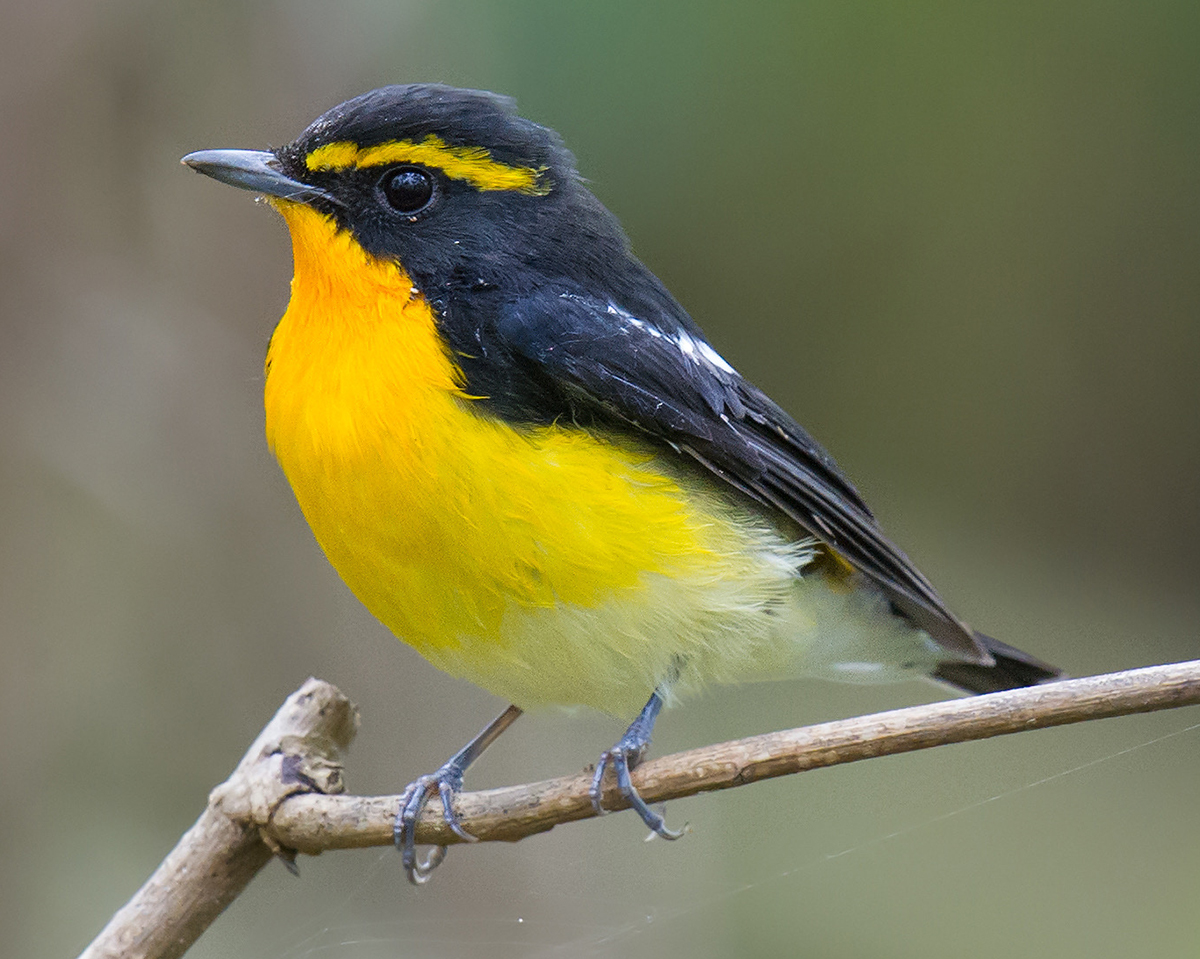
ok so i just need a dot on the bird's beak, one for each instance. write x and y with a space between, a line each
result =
256 171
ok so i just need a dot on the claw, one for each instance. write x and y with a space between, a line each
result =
596 790
446 793
404 830
623 757
652 819
446 782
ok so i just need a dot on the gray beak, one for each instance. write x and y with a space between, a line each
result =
255 171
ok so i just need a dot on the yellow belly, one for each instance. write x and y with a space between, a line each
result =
545 564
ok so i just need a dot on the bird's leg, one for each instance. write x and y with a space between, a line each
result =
447 781
623 757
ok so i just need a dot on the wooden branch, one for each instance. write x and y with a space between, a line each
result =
311 823
297 751
282 796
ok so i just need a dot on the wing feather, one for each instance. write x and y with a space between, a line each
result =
598 362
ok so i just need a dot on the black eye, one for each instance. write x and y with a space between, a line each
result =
408 188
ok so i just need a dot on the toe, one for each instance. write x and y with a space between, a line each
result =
652 819
596 790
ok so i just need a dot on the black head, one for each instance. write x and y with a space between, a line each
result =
457 187
478 205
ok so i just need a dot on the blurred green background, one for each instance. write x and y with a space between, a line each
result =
959 241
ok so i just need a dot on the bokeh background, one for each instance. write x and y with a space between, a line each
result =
961 242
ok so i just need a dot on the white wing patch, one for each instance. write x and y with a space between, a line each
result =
630 320
715 358
695 350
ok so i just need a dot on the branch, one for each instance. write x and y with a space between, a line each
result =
311 823
278 800
298 750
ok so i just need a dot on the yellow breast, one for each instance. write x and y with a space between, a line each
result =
442 520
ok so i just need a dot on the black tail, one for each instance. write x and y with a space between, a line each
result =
1012 670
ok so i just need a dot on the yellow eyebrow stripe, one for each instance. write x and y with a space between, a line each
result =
471 164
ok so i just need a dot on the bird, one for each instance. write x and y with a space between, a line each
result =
524 457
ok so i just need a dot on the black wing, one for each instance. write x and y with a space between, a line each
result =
555 353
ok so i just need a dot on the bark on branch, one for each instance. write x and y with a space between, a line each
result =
279 798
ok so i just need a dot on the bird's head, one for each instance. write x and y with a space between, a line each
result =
451 184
